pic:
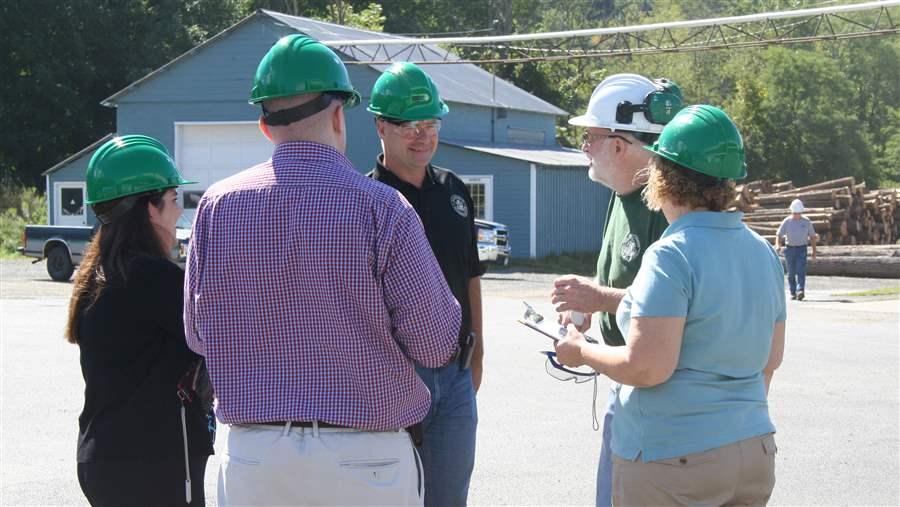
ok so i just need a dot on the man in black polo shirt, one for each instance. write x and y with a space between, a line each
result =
408 111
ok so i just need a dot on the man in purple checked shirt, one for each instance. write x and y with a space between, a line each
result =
311 289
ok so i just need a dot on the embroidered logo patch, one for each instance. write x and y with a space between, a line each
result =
459 205
631 247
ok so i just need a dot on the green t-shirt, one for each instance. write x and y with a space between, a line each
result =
629 229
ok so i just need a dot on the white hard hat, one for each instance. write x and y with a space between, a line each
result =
622 102
796 206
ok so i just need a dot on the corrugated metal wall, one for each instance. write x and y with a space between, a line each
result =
570 210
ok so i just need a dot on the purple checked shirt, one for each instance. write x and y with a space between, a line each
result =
311 289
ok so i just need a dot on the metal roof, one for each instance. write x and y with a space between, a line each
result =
464 83
543 155
84 151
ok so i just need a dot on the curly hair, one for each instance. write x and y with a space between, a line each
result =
668 181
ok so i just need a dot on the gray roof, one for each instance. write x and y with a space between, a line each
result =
75 156
543 155
464 83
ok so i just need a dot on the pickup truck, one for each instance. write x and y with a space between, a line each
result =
63 246
493 242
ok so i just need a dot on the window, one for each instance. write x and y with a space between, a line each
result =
72 201
481 188
476 190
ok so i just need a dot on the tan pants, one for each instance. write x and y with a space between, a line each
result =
275 466
742 473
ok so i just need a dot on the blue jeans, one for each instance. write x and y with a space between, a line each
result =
448 448
605 468
795 258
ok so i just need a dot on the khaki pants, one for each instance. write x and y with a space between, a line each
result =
742 473
275 466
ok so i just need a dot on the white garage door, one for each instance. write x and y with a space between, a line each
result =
209 152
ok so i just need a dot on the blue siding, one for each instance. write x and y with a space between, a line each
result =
511 188
473 123
213 84
528 121
571 210
74 171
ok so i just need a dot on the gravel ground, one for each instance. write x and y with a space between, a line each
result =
834 401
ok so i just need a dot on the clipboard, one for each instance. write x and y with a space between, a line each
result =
551 330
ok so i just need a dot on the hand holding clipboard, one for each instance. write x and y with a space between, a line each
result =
537 322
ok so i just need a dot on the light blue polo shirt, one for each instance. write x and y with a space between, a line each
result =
728 283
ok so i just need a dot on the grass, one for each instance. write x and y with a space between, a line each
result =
584 264
882 291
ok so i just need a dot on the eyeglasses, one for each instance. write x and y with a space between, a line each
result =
409 130
564 373
589 138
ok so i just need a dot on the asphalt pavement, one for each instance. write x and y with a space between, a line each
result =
834 401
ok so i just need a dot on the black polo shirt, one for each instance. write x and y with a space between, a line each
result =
448 215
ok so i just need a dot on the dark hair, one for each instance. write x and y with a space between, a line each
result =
685 187
108 255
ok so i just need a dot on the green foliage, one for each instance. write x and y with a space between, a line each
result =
20 206
60 59
370 17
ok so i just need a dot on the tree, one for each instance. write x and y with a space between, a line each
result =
60 59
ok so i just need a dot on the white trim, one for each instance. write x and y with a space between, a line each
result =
488 181
57 196
50 199
532 213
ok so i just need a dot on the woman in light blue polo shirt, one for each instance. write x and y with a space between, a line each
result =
704 325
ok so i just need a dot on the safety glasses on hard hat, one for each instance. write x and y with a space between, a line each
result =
410 130
556 370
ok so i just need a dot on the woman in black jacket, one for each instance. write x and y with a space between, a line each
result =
145 432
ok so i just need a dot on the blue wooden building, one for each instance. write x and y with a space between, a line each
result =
498 138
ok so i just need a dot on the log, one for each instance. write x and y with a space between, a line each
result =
783 213
849 181
787 197
866 267
818 225
782 186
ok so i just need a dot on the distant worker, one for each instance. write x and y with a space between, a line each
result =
312 291
798 232
408 111
626 112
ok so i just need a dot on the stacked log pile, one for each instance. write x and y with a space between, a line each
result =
843 212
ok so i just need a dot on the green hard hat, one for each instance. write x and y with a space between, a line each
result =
129 165
406 92
704 139
297 65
